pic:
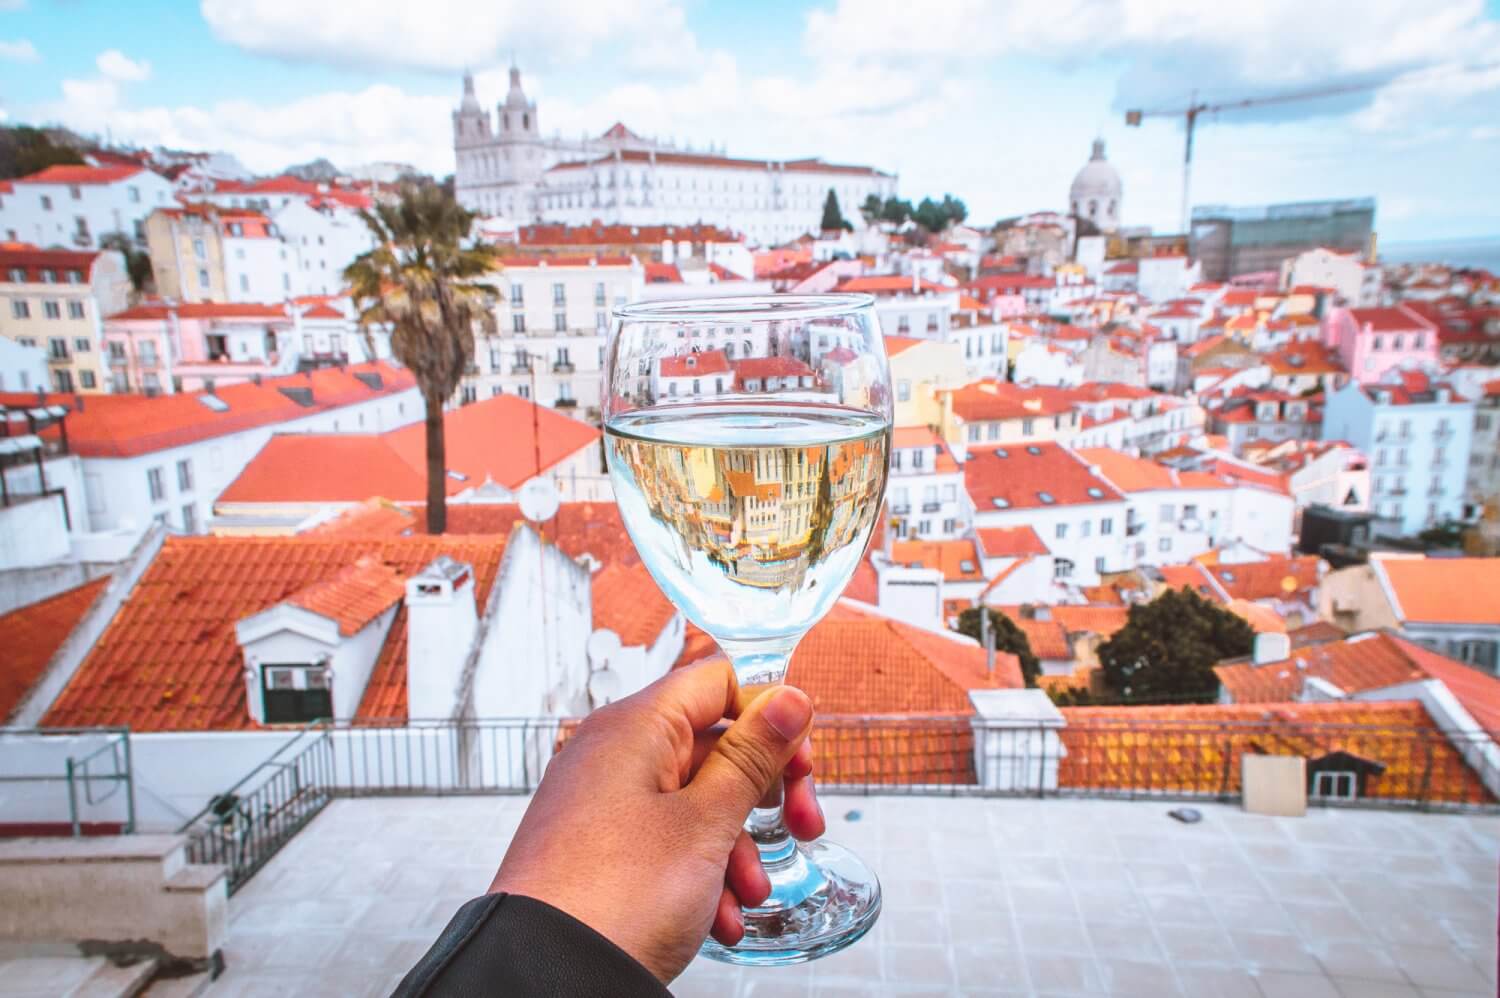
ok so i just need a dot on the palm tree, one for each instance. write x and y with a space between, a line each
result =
422 280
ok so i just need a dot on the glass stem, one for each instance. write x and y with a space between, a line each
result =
768 831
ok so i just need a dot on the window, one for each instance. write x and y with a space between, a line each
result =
17 275
155 484
1190 512
518 323
1099 564
199 250
1085 528
52 309
189 519
916 457
135 194
1333 785
994 431
75 311
49 276
296 694
974 429
903 391
185 475
924 527
903 325
19 309
950 493
46 203
1106 526
62 380
1165 544
202 277
517 295
525 391
1062 569
601 323
86 379
559 294
599 296
1062 531
1168 513
57 348
560 322
1379 343
1028 426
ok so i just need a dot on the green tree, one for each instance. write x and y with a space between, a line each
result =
423 279
25 150
1008 636
1168 647
871 209
832 217
935 216
896 211
137 262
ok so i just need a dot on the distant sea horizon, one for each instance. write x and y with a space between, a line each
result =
1481 252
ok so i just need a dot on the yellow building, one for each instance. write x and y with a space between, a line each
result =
201 253
920 369
56 300
994 413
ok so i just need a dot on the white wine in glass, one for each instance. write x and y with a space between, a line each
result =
748 444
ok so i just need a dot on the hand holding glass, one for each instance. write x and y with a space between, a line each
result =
748 443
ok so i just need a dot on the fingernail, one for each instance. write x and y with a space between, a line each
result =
788 712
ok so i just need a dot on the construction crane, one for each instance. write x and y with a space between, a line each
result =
1194 108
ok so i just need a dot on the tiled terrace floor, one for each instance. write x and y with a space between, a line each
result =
983 897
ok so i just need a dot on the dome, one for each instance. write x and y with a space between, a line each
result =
1096 191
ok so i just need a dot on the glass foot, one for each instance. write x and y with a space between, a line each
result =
823 897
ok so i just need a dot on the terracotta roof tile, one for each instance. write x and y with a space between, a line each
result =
1271 578
371 518
15 256
1101 620
355 596
1444 590
957 560
70 174
888 284
1195 577
1262 619
627 600
1025 476
1397 318
695 364
1010 542
31 635
1197 749
1048 638
170 661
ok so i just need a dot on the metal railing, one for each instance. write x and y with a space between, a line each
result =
1091 755
91 778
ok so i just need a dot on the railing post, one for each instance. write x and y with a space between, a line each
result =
73 801
129 785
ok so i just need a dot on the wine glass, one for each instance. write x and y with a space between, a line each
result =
748 442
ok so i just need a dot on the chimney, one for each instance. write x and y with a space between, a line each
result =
441 620
1271 647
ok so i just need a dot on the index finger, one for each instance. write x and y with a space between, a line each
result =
702 694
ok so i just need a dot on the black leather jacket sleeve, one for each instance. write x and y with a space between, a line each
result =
508 944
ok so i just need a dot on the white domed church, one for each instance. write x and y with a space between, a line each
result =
1096 191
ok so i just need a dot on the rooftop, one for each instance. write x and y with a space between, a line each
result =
1030 896
32 634
1443 590
1030 476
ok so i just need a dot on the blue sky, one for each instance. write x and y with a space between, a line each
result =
996 103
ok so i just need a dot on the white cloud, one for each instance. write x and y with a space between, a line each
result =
116 65
20 50
7 5
448 35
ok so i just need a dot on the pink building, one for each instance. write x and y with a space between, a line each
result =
1374 341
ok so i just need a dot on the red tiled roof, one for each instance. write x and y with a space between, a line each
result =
371 518
170 661
80 175
1272 578
1018 476
864 584
1444 590
663 273
915 436
31 635
491 440
1360 663
900 344
949 557
1010 542
32 260
695 364
1196 577
1397 318
129 425
988 400
1139 474
1197 748
576 260
1262 619
627 600
355 596
621 235
888 284
1101 620
1048 638
768 367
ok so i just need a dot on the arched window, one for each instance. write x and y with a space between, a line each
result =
1093 208
1112 209
505 121
525 122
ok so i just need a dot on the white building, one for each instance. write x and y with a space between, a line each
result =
325 239
551 323
22 368
1162 278
76 206
1353 281
1417 435
1096 192
925 497
507 166
1043 362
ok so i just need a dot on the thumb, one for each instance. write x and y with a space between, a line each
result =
752 753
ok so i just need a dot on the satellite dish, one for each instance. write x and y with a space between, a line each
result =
602 646
539 500
604 687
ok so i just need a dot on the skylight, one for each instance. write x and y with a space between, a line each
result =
1001 452
1046 497
1034 451
1001 503
966 565
1095 492
212 402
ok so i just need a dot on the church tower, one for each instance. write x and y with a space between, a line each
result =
522 156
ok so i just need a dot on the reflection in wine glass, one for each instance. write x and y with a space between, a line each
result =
748 442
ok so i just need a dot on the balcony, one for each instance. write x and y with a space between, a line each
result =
902 510
59 358
116 360
562 367
520 369
148 361
565 404
931 507
1134 529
